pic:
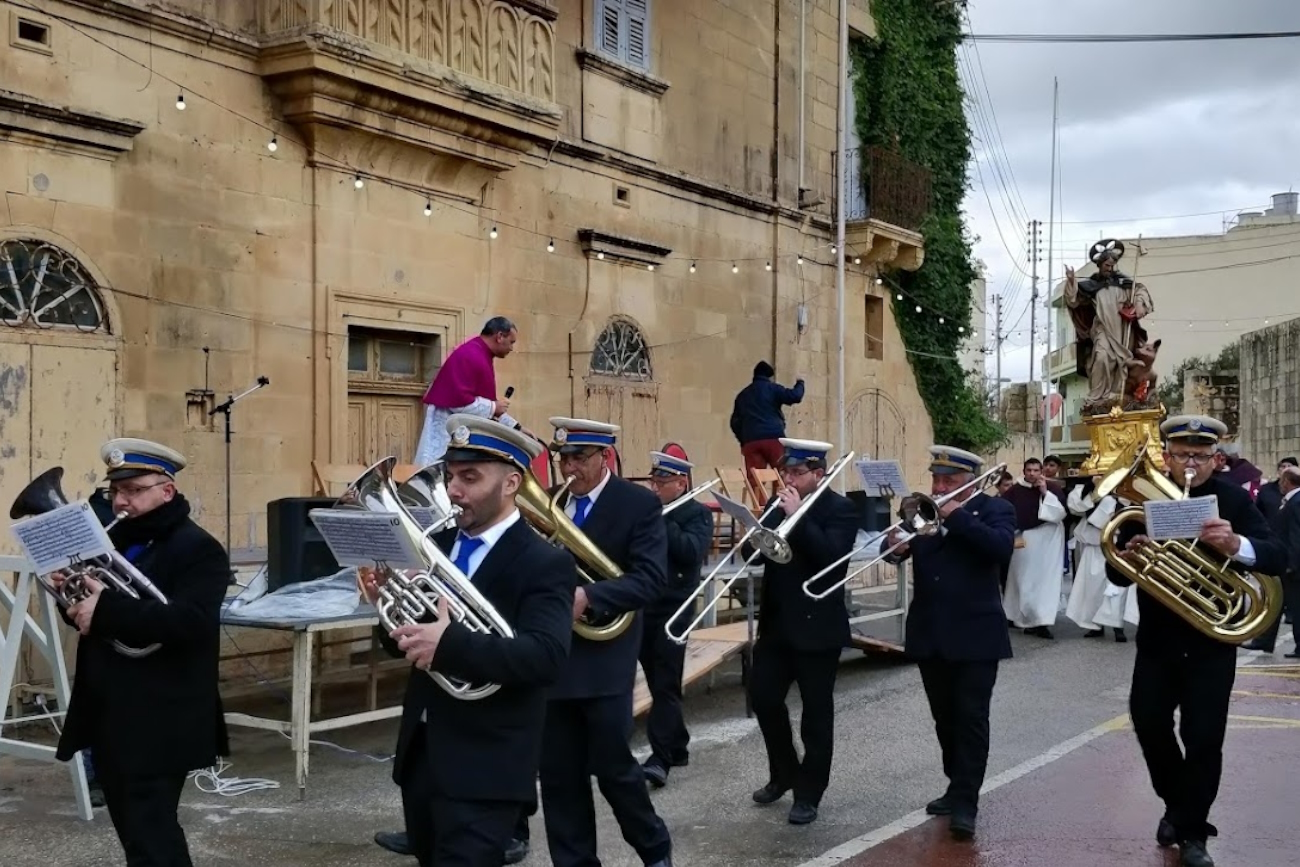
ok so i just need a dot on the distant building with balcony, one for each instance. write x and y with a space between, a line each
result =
1208 291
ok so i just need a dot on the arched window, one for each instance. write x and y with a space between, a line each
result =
42 286
621 352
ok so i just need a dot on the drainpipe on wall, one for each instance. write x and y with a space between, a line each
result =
841 146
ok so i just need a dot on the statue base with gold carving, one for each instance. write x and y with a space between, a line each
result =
1116 431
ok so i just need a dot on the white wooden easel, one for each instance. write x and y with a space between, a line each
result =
45 636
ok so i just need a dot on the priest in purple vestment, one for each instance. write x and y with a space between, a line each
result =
466 383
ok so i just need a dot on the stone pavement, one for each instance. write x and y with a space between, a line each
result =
1094 806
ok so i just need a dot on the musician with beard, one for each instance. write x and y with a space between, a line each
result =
468 768
150 720
1179 668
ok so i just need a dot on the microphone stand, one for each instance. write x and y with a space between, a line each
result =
224 409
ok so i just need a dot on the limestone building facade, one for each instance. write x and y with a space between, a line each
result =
335 193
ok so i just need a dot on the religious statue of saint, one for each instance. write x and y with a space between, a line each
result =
1113 351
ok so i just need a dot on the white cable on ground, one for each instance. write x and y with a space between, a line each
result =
210 782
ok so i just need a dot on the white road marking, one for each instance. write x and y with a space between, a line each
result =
861 844
727 732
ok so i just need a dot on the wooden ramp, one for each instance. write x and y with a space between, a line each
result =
705 650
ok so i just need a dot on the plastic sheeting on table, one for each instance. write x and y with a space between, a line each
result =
319 599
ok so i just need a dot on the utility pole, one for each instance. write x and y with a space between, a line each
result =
1051 281
997 347
1034 233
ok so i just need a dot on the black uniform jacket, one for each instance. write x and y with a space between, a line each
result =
787 614
489 748
1163 632
956 612
1269 503
160 714
626 523
689 529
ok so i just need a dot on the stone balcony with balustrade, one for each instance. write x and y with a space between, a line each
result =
886 199
440 94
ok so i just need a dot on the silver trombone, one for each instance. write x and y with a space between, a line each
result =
689 495
767 542
918 512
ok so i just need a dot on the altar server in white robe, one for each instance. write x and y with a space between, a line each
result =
1095 602
1033 595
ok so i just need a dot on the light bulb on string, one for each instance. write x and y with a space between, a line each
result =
961 329
834 249
899 296
180 101
799 261
600 255
769 266
735 269
272 144
550 246
692 267
918 308
940 320
428 208
357 182
880 281
493 234
857 260
650 267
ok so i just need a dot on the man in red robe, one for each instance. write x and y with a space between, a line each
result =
466 383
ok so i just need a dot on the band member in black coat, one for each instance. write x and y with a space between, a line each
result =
1286 526
150 720
956 629
1178 667
589 713
689 527
467 767
799 638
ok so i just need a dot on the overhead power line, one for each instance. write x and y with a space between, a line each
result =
1149 37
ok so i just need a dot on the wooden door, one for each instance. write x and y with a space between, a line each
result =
633 406
382 425
388 372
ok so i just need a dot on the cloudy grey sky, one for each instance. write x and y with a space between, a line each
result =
1158 139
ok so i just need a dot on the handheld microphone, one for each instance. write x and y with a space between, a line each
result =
510 390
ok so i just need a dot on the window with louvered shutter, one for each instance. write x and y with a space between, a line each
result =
623 31
638 18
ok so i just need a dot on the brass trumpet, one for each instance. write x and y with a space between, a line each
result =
1208 591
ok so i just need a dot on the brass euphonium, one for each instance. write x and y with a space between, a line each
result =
544 514
45 494
1209 591
409 596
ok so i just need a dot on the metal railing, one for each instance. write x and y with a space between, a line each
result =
882 185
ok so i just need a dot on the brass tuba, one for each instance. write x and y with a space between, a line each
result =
408 596
1204 588
45 494
544 514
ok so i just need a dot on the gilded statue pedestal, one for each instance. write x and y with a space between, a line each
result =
1116 431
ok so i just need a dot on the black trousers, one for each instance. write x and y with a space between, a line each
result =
775 668
143 810
449 832
586 737
1291 605
663 661
1186 778
959 694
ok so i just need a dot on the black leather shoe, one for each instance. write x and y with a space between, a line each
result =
1193 854
662 862
394 841
1166 836
802 813
961 826
96 795
655 773
681 761
516 851
939 807
1256 644
770 794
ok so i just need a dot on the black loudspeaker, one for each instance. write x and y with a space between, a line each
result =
296 551
873 512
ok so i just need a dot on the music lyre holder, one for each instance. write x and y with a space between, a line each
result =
224 409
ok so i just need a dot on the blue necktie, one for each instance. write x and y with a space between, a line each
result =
468 545
580 507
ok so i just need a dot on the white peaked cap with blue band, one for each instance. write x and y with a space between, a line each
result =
474 438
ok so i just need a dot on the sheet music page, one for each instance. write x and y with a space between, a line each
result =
365 538
1179 519
60 537
882 478
736 510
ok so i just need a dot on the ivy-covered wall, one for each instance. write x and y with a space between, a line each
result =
909 99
